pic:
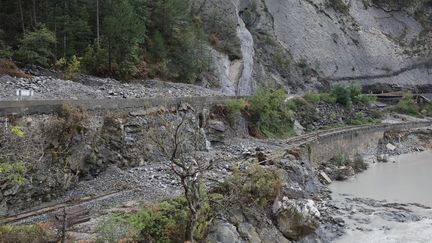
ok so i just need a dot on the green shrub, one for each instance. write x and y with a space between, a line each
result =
269 114
128 67
36 47
256 185
14 172
343 95
70 68
347 95
328 98
354 92
162 222
358 97
95 61
361 119
22 234
340 160
113 229
426 109
17 131
359 164
312 97
235 105
5 50
407 105
366 99
298 103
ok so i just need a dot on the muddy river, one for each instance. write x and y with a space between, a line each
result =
408 180
382 204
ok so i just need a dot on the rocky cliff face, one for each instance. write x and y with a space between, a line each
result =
306 44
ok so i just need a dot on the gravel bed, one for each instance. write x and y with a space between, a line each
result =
89 87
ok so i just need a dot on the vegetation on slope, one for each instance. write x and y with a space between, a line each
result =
270 114
408 105
166 221
124 39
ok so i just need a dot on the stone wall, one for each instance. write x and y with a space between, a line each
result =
29 107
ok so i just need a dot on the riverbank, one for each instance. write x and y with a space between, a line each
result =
389 202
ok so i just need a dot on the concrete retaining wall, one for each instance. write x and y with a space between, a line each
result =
353 141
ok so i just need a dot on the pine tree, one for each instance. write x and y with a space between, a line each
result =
36 47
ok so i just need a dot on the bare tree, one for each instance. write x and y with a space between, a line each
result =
181 142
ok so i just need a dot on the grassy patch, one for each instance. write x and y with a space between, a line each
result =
361 119
298 103
23 234
312 97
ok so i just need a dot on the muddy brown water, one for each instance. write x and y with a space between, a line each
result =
409 180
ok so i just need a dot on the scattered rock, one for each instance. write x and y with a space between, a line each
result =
298 128
325 178
383 158
390 147
217 125
296 218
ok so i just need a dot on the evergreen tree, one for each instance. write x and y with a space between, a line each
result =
124 30
36 47
113 37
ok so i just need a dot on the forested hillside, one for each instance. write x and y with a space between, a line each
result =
119 38
232 45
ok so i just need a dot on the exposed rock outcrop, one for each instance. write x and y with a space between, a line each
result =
306 44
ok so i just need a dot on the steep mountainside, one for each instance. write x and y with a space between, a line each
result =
304 44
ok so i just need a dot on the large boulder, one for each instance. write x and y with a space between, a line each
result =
216 131
296 218
222 231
